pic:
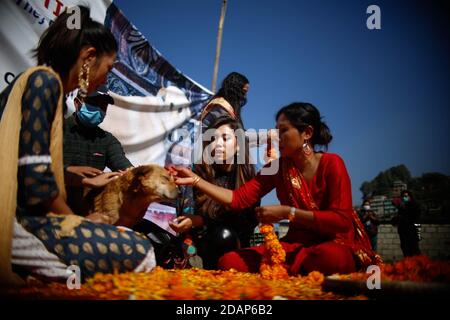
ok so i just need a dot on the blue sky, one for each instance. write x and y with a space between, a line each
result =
384 93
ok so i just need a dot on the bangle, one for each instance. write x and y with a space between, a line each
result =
291 214
195 181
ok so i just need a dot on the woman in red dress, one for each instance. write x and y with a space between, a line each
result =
314 190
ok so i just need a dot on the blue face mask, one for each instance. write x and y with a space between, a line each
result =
90 116
243 101
405 199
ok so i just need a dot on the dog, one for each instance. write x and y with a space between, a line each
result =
124 201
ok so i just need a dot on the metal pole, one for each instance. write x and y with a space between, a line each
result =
219 45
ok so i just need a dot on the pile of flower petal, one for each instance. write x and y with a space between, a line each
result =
197 284
191 284
418 269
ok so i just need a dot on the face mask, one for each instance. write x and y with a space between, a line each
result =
405 199
243 101
90 116
366 207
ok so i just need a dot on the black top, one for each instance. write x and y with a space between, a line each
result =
242 221
93 147
408 213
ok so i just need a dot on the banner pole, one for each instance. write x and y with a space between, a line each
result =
219 45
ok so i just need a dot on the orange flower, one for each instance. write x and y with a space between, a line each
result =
181 293
192 284
272 264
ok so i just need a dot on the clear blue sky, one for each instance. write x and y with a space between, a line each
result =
385 93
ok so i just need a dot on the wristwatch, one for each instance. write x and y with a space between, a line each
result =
291 214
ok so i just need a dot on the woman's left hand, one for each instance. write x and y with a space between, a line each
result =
181 224
272 214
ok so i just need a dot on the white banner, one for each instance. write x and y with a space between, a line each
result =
155 104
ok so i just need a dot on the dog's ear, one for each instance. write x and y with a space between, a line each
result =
139 173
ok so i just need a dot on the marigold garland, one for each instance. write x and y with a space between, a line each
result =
272 264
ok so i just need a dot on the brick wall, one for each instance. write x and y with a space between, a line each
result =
435 242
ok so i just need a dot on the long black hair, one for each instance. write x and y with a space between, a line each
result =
232 91
302 115
59 46
240 173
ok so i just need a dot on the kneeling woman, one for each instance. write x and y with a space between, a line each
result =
31 133
314 190
217 229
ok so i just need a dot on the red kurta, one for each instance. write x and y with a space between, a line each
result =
306 249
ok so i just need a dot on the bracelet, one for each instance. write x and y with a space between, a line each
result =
195 181
291 214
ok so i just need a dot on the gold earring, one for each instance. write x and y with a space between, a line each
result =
307 150
83 80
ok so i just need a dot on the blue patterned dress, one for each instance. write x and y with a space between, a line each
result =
94 247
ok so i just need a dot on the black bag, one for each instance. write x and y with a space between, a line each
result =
168 248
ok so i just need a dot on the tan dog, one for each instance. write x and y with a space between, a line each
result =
125 200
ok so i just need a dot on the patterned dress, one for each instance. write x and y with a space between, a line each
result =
39 244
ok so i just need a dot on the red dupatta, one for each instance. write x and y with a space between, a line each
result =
300 197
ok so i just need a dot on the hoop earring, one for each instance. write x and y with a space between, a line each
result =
83 81
306 148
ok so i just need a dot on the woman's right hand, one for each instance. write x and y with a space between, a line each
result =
101 180
182 175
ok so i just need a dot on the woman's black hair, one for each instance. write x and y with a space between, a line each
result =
302 115
225 120
241 173
232 91
59 46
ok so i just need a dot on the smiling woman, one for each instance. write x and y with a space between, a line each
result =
217 229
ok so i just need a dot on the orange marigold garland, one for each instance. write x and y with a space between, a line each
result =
272 264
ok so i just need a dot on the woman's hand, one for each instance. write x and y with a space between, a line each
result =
181 224
273 136
101 180
84 171
272 214
182 175
185 223
271 151
99 218
125 170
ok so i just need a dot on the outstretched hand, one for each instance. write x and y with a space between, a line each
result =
182 175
